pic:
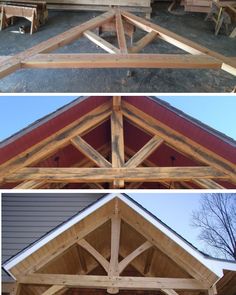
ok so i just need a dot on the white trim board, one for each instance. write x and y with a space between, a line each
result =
216 266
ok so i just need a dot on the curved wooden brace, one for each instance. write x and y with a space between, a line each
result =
126 261
104 263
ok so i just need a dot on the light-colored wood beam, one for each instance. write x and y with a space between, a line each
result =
16 290
82 261
177 141
144 152
148 262
104 263
63 246
53 290
169 292
103 282
127 260
187 45
58 140
121 33
115 245
101 42
117 139
208 184
141 60
138 46
31 184
11 64
139 174
90 152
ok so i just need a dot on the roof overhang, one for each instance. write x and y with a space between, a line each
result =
214 265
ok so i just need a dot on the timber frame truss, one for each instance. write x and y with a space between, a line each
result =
113 261
114 163
123 56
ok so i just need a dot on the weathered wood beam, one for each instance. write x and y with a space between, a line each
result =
141 60
89 152
127 260
11 64
117 139
138 46
101 42
208 183
139 174
103 282
104 150
115 246
121 33
95 185
144 152
133 185
58 140
226 63
104 263
116 103
53 290
30 184
178 141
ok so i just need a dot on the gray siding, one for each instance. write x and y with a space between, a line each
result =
27 217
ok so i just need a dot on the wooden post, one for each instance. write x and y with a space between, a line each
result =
117 138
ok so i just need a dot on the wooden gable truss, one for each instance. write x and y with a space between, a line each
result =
120 251
123 56
113 163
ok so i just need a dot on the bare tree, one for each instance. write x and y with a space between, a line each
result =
216 220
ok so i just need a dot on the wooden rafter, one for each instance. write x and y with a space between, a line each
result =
113 282
51 144
177 141
125 165
124 57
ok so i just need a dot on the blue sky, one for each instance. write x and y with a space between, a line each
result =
16 112
175 209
